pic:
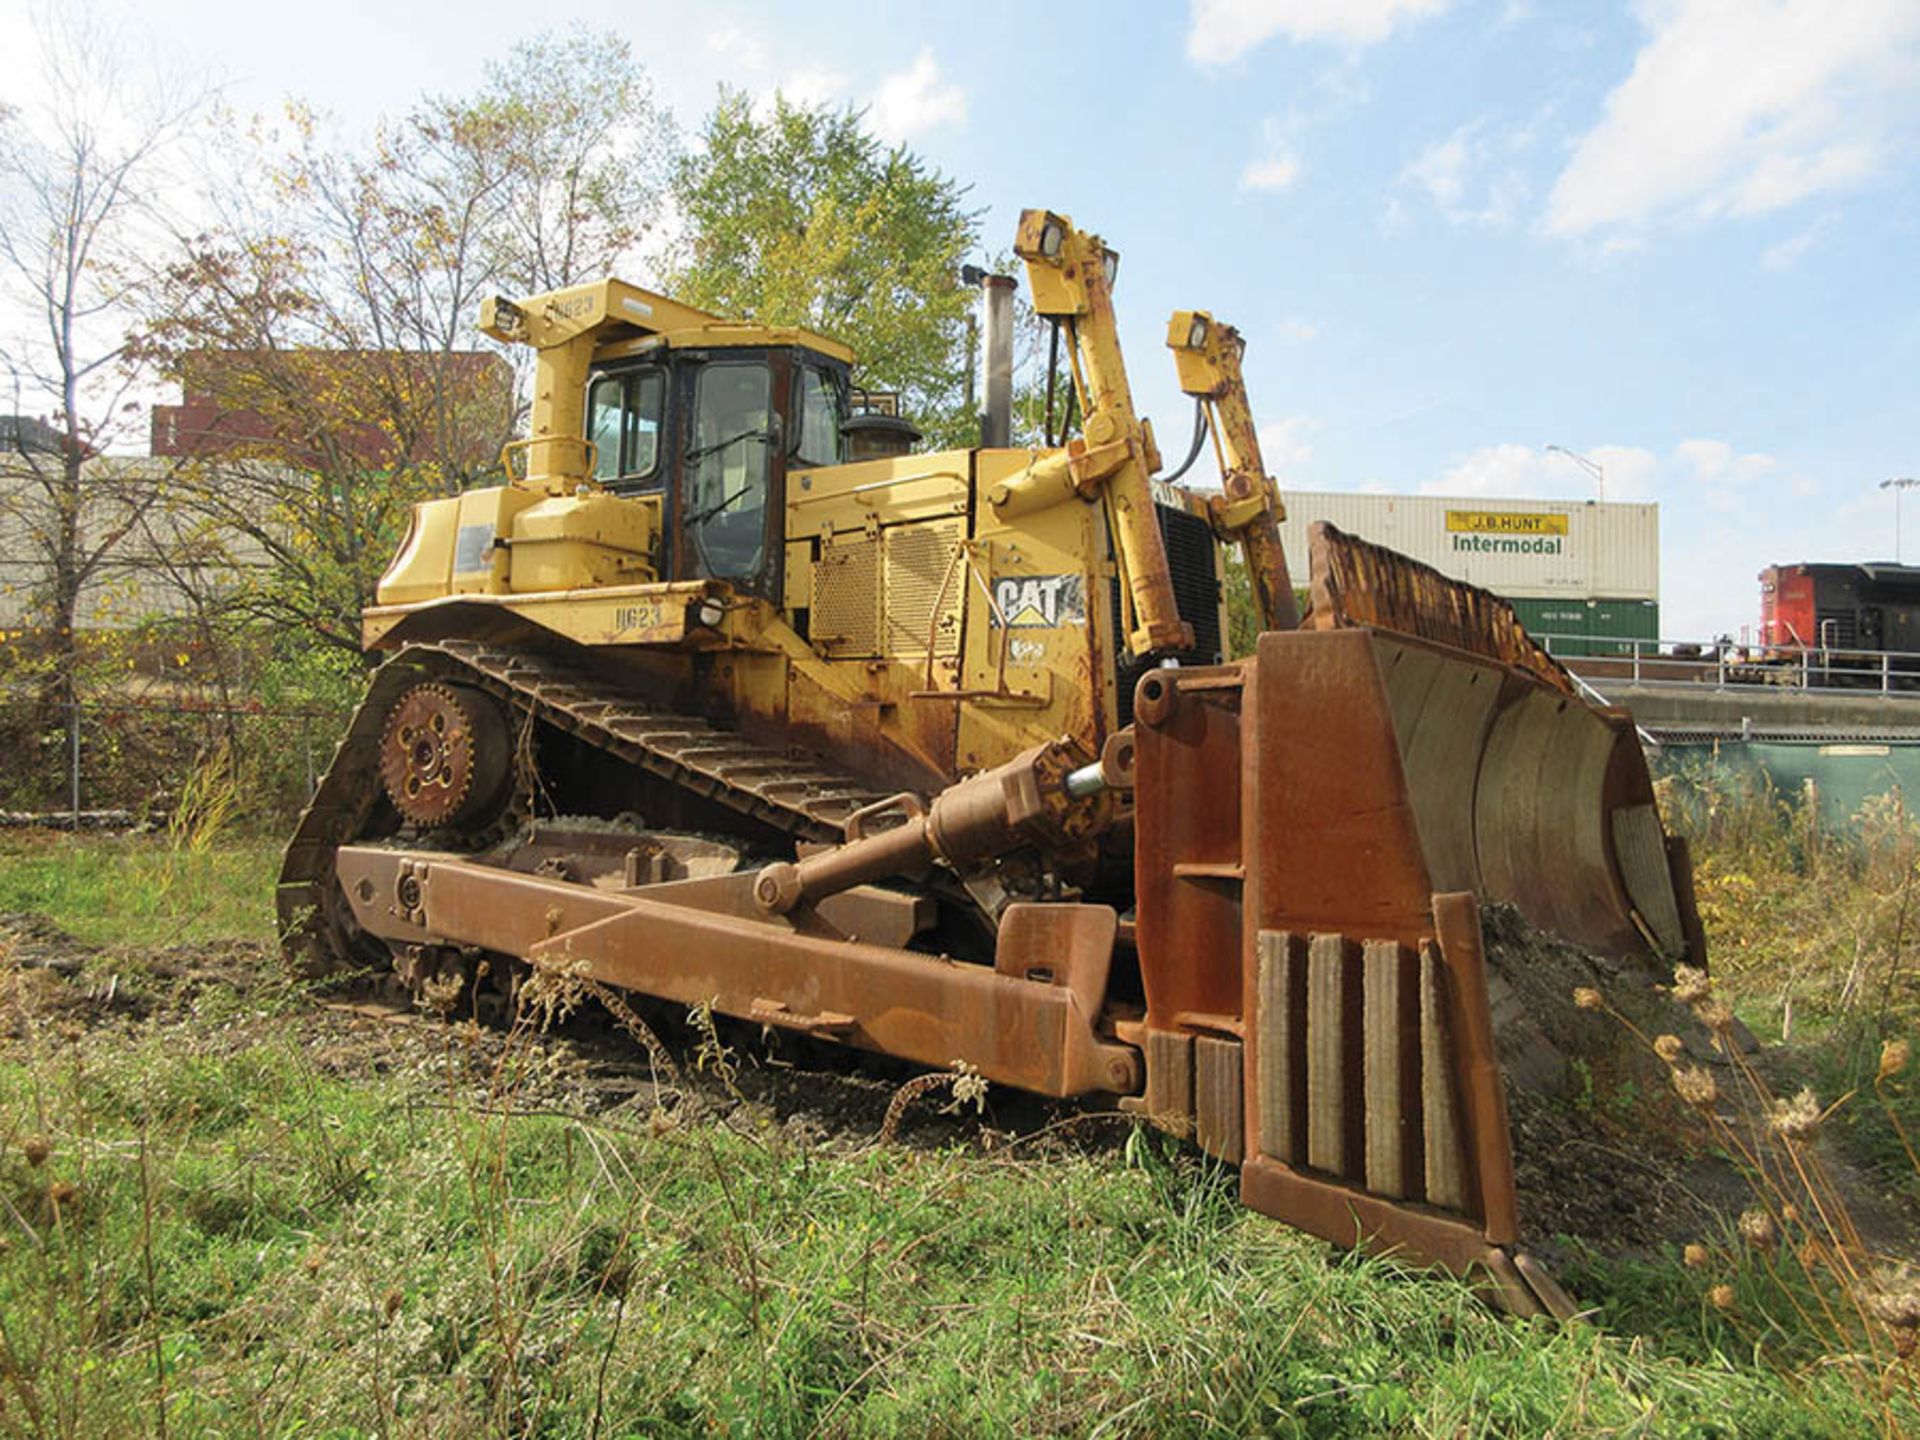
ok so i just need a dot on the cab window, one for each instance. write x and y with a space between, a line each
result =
623 422
724 510
818 406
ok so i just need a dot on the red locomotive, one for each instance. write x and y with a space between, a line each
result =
1831 609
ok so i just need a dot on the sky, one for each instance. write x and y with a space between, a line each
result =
1677 237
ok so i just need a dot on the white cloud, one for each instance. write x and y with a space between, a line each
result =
1275 170
1277 165
1286 444
1474 176
1713 473
751 64
1441 169
1720 476
739 45
1491 470
1297 329
1785 254
1534 472
1735 107
1223 30
813 85
1707 457
915 101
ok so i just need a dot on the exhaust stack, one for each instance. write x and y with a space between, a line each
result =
996 361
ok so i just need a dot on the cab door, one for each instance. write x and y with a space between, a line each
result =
732 471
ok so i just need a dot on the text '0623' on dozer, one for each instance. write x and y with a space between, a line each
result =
938 755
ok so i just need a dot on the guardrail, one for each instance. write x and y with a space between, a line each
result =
1722 665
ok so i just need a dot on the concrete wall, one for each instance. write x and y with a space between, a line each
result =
128 506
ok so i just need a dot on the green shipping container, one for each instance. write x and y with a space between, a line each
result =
1571 628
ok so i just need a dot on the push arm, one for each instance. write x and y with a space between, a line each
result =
1071 276
1207 355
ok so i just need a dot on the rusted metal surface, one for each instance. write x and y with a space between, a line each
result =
866 912
1267 569
1680 867
1187 843
1346 1217
1028 1021
1447 772
1358 583
1512 790
767 785
1288 918
444 756
1310 829
1024 800
1476 1067
613 856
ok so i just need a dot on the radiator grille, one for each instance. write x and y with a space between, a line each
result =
1192 556
1836 629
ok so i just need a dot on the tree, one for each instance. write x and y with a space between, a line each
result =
799 216
582 150
81 181
335 306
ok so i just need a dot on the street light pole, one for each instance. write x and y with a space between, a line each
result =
1598 473
1898 485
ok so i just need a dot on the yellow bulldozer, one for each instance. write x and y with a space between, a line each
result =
938 754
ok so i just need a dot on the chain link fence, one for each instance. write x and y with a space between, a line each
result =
132 759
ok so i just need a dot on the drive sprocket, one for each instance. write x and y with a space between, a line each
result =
445 755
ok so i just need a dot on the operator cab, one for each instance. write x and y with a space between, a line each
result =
714 432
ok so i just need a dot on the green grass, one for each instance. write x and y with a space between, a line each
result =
260 1217
252 1244
1813 934
139 890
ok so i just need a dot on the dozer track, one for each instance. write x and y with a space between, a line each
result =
788 793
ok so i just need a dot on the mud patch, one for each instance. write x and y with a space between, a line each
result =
218 998
47 974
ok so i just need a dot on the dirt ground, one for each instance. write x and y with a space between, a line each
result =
1604 1150
584 1063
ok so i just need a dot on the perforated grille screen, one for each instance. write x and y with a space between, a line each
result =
846 597
924 588
892 595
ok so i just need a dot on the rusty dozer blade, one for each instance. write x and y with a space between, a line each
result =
1523 791
1316 828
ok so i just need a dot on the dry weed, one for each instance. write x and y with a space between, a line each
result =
1798 1242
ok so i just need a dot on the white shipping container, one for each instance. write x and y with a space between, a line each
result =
1538 549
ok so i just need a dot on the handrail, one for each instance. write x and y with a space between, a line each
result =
1722 664
1646 738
